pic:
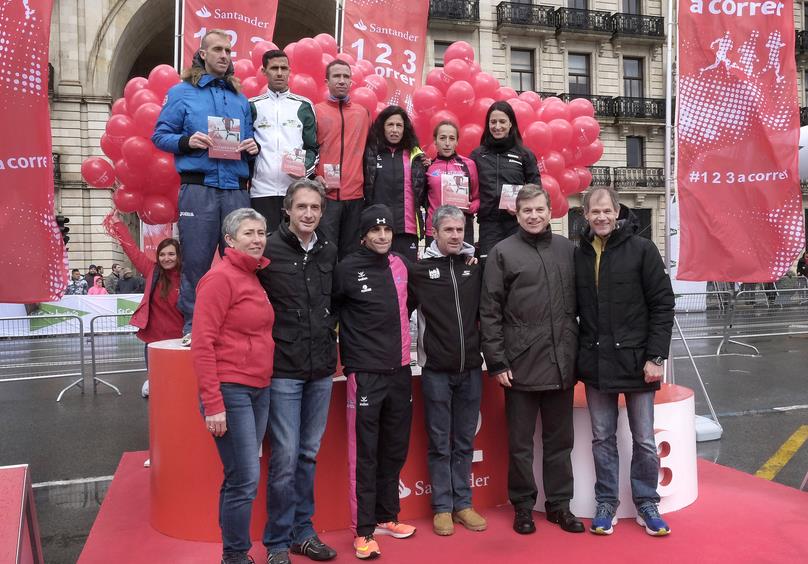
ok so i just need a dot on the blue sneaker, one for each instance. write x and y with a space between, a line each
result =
648 517
604 521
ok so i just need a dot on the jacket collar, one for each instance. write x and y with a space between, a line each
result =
372 256
210 80
433 252
245 262
293 240
620 234
542 238
278 95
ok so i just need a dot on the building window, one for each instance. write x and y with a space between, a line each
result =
522 71
632 7
635 154
579 73
440 51
577 4
576 223
643 216
632 78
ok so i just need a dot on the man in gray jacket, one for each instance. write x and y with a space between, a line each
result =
527 317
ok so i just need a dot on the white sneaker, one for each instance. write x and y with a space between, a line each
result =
144 391
147 464
186 340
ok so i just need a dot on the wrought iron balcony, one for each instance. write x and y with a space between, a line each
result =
532 15
638 25
801 45
804 186
604 105
601 175
630 177
803 117
545 94
455 10
639 108
574 19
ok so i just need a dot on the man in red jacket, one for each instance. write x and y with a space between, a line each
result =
342 129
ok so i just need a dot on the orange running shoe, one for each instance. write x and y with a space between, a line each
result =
395 529
366 548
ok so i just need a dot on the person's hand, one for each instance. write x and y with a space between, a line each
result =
200 140
504 378
471 259
216 424
511 209
249 145
653 373
425 160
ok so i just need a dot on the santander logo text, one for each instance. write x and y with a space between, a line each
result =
203 12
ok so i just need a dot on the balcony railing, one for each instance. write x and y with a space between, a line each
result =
575 19
603 104
544 94
636 24
639 108
601 175
57 168
457 10
630 177
803 117
511 13
801 47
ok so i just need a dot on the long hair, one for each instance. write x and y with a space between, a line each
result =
163 281
513 135
376 138
193 74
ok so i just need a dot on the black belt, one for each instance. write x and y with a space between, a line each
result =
199 178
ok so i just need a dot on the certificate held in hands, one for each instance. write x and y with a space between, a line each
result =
507 199
294 163
226 135
454 190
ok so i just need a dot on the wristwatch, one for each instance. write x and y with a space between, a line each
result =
658 360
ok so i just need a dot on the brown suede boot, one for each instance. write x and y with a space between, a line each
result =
442 524
470 519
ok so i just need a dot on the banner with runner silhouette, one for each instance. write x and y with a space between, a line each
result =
32 256
738 131
392 36
246 22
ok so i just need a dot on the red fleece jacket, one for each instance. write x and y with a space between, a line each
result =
232 329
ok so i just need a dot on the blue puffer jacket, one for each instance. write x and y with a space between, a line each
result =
186 111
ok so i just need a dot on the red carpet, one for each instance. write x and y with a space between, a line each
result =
737 519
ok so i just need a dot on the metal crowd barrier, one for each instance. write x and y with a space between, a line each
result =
42 347
114 348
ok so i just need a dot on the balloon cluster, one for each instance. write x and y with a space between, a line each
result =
144 177
564 136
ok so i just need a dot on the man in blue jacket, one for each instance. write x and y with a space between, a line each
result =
211 187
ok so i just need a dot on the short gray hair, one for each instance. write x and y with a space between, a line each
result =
446 212
233 220
299 185
530 191
609 190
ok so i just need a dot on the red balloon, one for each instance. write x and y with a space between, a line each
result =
119 107
357 76
475 68
162 169
437 79
366 67
568 181
420 123
364 96
585 130
347 57
437 117
161 79
470 135
260 78
304 85
379 108
290 53
480 110
250 86
524 113
590 154
126 199
551 186
132 178
144 96
560 207
243 68
571 156
531 98
120 128
377 84
562 133
455 70
459 50
431 151
258 50
110 147
504 94
146 118
308 56
485 85
584 177
97 172
552 163
135 84
460 98
427 100
137 152
157 210
551 110
538 137
580 107
327 43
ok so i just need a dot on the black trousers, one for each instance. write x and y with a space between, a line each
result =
383 416
494 231
522 409
271 207
406 244
340 224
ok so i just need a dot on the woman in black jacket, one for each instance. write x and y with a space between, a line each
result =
501 159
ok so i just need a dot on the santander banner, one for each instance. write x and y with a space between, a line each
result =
392 36
738 131
246 22
32 256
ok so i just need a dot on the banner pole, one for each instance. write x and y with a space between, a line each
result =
179 6
669 376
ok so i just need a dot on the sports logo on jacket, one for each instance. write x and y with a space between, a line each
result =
366 289
466 273
363 401
434 273
360 276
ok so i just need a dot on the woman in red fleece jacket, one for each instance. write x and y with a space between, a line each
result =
232 351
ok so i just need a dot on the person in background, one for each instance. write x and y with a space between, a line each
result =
130 283
449 163
157 317
77 285
111 281
232 352
97 288
501 159
394 177
92 271
802 270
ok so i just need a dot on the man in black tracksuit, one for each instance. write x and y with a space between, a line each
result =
298 284
370 294
447 290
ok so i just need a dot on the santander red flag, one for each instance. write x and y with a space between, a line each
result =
32 256
391 35
738 133
246 22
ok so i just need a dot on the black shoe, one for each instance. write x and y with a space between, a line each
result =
281 557
237 558
566 520
315 549
523 521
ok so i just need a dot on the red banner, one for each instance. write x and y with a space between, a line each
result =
32 256
246 22
392 36
738 131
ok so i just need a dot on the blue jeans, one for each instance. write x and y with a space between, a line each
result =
247 410
644 458
451 406
297 419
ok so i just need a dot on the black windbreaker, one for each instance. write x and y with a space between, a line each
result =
516 165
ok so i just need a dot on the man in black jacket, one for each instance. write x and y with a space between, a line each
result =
625 305
370 292
527 317
447 291
298 284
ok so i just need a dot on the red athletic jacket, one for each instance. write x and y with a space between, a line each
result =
342 130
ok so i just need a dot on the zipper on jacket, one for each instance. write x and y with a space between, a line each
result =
341 147
459 314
